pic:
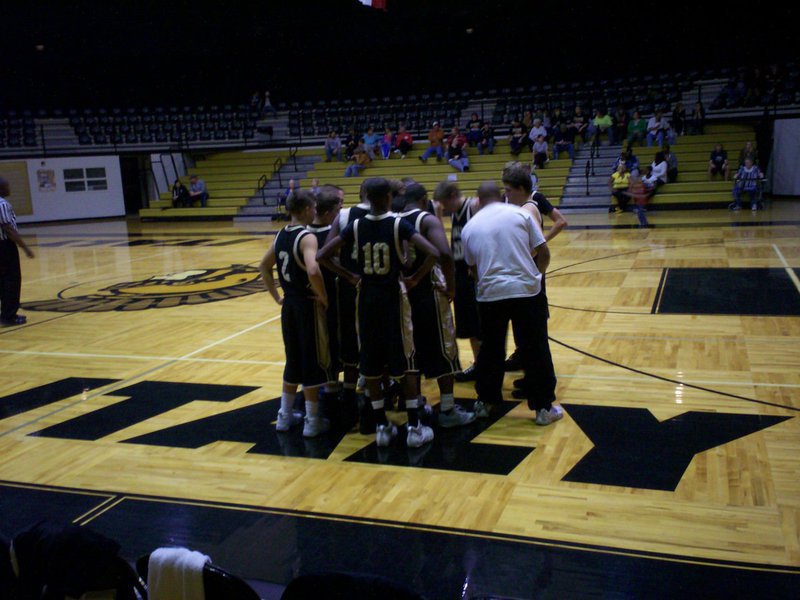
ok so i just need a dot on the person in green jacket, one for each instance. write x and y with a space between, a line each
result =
637 129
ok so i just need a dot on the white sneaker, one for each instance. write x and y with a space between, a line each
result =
481 410
455 417
288 420
545 417
314 426
419 436
384 434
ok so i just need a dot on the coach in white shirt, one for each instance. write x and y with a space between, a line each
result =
499 243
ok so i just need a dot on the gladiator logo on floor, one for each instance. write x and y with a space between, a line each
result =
197 286
631 447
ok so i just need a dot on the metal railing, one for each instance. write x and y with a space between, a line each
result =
262 183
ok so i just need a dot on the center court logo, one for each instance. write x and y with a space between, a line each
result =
198 286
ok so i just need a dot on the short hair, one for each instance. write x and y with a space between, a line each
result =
362 191
327 200
446 189
488 189
396 186
376 188
518 177
414 193
299 201
331 188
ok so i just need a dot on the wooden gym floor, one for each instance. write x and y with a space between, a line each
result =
139 400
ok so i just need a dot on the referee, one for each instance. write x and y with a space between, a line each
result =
500 242
10 274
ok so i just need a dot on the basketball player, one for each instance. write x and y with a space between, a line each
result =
302 314
449 197
344 265
329 202
434 334
384 325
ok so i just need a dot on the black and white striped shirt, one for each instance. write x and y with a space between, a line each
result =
7 217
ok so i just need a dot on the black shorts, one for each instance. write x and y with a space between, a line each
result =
332 318
385 332
347 333
434 333
305 341
465 304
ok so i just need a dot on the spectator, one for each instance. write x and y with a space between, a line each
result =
487 139
602 123
547 122
435 140
180 195
748 179
255 102
403 141
749 151
527 120
537 130
284 196
197 191
350 144
620 124
387 142
679 119
629 160
656 127
267 106
557 118
672 165
333 145
579 124
637 129
371 142
540 152
457 150
314 189
650 181
718 163
618 184
516 137
474 126
659 171
361 160
563 141
698 120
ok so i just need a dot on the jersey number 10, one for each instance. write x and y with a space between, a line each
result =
376 258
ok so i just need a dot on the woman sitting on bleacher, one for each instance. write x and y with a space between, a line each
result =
659 173
180 195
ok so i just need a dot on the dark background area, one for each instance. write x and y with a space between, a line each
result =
120 53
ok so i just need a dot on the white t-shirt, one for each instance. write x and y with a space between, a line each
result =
498 241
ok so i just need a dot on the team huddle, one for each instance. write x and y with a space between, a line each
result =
367 292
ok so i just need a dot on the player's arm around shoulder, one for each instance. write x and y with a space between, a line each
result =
433 231
265 266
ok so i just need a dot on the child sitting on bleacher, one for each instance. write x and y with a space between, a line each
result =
748 179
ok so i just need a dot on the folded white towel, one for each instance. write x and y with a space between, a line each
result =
176 574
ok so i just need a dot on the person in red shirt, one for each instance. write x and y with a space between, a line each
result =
457 150
403 141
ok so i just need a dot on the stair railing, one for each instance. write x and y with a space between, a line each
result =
588 169
262 183
293 155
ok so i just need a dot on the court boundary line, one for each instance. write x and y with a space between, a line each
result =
442 529
789 271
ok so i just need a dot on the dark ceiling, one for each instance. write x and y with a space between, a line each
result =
125 51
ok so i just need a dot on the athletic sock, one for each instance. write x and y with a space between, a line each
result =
312 409
287 402
380 412
447 403
412 411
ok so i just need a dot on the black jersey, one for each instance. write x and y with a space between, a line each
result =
349 257
291 267
460 219
414 218
378 240
322 231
